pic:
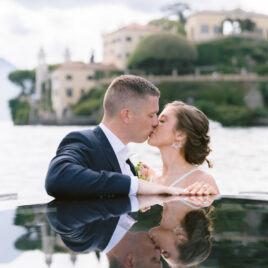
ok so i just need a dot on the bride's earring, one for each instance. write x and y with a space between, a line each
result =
178 228
175 146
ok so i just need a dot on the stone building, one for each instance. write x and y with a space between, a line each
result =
118 45
68 82
206 25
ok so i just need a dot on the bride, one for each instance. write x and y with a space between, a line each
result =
183 141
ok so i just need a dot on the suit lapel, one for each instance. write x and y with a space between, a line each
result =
132 167
105 145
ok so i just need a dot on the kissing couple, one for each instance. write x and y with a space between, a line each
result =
95 162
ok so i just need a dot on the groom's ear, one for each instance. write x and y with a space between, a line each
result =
125 115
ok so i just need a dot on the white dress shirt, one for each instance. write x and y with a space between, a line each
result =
124 224
122 153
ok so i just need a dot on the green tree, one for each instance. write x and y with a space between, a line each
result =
20 110
231 54
162 53
177 9
169 25
90 103
25 79
247 25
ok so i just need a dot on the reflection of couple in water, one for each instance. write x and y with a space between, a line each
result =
96 162
182 237
184 233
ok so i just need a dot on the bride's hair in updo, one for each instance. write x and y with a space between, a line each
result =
196 125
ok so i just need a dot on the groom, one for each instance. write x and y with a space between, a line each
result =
96 162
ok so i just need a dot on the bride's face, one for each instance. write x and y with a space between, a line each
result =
164 134
166 240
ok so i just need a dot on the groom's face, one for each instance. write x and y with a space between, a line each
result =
145 119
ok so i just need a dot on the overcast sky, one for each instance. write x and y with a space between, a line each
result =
26 25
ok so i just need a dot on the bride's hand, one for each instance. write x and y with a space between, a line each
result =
201 188
200 201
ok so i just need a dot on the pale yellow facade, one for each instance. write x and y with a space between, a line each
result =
206 25
118 45
70 82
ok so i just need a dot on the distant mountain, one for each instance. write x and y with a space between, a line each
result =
7 89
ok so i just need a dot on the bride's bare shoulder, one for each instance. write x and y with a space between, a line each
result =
203 175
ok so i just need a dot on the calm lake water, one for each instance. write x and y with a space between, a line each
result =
240 158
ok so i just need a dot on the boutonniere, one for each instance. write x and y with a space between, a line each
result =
141 171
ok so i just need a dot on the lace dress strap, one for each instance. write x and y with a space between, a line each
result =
183 176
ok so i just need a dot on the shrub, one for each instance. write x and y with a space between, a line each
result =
20 111
264 91
87 108
262 70
230 115
230 54
220 101
218 93
163 52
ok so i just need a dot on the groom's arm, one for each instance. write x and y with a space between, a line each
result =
69 175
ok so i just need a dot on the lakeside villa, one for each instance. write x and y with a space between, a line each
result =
69 81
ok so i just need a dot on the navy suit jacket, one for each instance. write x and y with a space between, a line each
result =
86 225
85 165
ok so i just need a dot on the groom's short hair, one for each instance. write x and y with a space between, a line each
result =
127 91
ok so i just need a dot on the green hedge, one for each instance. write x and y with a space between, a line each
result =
90 102
220 101
87 107
262 70
229 93
231 54
20 111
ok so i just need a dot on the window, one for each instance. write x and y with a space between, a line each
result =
216 29
90 77
69 92
69 77
204 28
128 38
